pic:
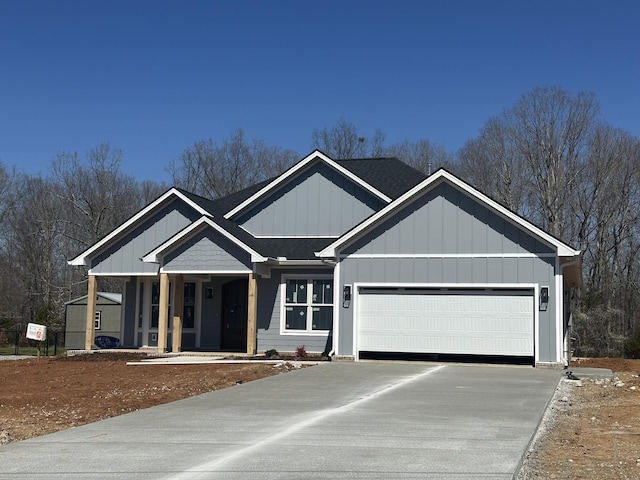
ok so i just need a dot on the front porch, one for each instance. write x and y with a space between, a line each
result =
176 312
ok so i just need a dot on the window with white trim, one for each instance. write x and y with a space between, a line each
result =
308 304
97 320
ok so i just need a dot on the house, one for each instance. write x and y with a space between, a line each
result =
107 319
353 258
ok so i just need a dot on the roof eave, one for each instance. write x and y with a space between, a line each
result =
155 256
82 259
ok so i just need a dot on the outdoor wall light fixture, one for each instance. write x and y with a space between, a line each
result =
346 296
544 298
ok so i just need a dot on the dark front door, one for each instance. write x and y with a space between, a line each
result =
234 315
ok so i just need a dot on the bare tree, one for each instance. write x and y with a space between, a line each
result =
215 170
98 196
550 129
608 209
35 249
422 155
6 179
342 141
95 198
491 163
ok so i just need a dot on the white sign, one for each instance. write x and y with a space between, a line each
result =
36 332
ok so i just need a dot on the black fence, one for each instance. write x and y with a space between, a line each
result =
15 342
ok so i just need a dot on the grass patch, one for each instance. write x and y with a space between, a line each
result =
33 351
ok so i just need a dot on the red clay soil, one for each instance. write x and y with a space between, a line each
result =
40 396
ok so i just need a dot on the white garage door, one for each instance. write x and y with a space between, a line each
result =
469 322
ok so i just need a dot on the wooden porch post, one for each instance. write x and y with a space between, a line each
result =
252 313
90 328
163 314
176 342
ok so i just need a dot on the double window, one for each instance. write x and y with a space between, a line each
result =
188 309
308 304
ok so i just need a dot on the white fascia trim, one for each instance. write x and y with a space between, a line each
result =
301 165
82 258
155 255
337 305
207 272
423 187
355 298
300 263
122 274
478 286
291 236
447 255
559 301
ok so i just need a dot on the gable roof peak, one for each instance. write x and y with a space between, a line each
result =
297 169
439 176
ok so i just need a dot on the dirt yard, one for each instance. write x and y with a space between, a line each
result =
40 396
593 431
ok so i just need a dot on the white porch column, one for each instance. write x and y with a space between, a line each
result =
163 314
90 328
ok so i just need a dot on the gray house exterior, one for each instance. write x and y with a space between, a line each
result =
353 258
107 319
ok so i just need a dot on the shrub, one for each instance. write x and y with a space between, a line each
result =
301 352
632 346
273 353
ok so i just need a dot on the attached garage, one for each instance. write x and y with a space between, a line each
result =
455 321
445 271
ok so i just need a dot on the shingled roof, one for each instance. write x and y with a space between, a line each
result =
388 175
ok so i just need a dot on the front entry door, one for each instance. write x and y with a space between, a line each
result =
234 315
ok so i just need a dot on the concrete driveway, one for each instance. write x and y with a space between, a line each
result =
335 421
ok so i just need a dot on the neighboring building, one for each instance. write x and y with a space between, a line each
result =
346 257
107 319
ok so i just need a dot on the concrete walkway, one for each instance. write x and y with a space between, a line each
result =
333 421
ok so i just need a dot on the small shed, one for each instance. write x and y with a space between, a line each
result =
107 320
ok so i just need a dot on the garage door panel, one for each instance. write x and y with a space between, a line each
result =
480 324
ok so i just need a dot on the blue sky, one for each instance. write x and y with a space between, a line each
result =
153 77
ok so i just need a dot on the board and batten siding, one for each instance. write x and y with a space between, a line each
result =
208 251
446 220
122 255
446 237
76 320
269 306
129 303
319 203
